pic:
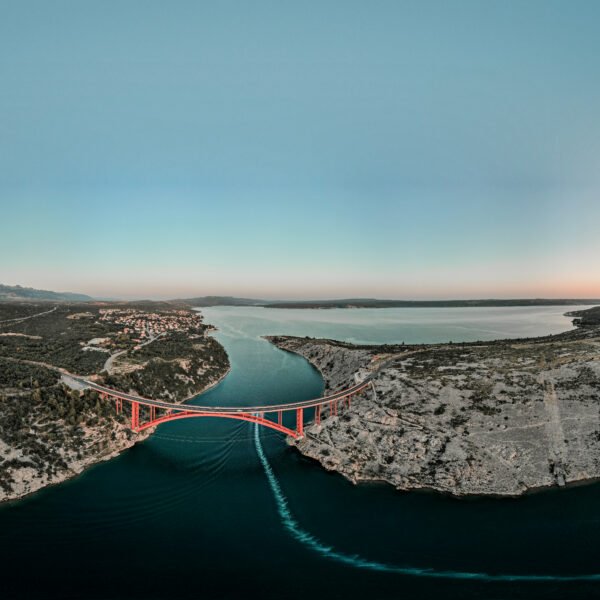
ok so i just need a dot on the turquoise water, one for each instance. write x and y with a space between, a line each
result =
215 509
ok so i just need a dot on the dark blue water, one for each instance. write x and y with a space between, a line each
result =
194 513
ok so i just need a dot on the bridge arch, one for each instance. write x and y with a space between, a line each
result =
251 414
250 417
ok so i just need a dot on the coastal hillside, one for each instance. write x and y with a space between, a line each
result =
494 418
50 429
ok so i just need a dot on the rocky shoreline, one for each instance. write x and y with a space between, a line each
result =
498 418
27 483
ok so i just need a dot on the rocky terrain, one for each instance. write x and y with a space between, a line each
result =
49 429
495 418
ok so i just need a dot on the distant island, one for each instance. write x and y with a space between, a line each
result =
374 303
204 301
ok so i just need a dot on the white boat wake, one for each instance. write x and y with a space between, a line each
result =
310 541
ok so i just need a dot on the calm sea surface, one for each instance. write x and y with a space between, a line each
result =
210 508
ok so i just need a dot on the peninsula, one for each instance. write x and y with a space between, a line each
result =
49 429
491 418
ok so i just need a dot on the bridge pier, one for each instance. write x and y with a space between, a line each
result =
299 422
135 415
318 414
118 403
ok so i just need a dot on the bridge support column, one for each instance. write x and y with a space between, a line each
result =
135 415
279 417
318 414
299 422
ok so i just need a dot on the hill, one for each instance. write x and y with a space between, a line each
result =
221 301
16 293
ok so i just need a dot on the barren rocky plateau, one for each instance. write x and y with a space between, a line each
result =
492 418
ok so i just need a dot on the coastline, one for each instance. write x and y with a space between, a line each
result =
458 497
37 486
337 362
208 386
501 419
75 469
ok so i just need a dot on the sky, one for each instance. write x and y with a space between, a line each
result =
301 149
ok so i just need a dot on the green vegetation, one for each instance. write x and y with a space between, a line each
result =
42 422
172 368
49 431
587 318
11 311
54 338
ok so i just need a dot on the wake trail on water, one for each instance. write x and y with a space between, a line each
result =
313 543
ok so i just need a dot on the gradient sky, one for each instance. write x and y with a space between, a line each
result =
301 149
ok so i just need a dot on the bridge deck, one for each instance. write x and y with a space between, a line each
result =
227 409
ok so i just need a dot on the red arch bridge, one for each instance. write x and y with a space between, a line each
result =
146 412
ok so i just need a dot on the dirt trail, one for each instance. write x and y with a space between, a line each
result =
554 430
19 319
